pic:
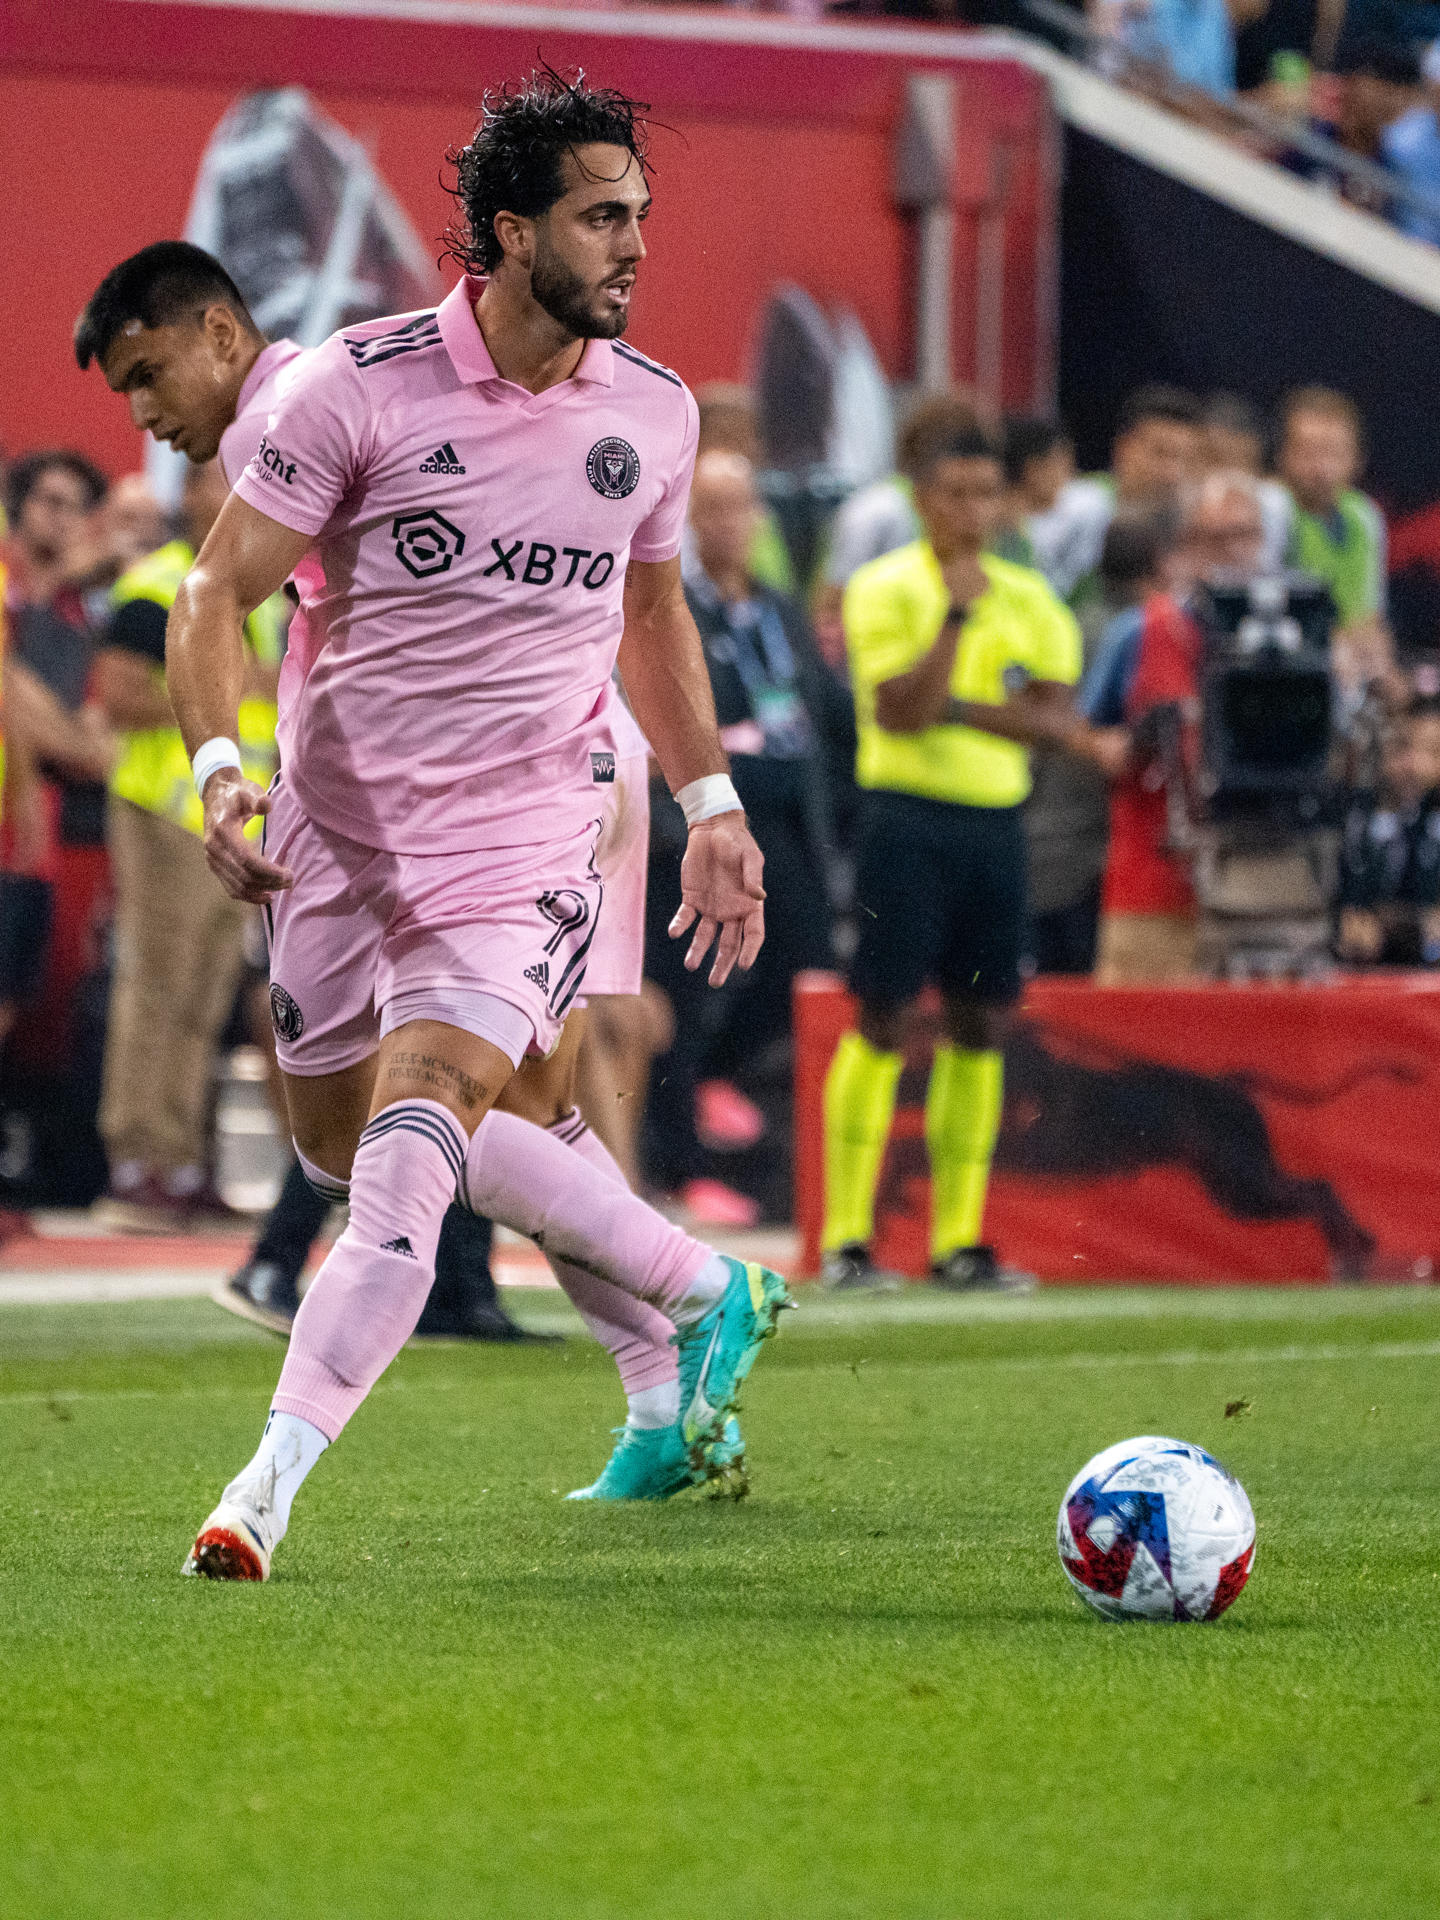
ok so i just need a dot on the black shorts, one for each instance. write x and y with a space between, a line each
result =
940 900
26 911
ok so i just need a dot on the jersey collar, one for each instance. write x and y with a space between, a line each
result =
269 360
464 342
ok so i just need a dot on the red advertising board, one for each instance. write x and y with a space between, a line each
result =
1204 1133
773 151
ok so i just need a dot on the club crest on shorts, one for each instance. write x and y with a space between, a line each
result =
613 468
285 1016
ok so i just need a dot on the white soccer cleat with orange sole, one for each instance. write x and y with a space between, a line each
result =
235 1543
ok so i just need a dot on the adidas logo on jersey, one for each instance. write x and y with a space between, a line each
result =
540 974
401 1245
443 460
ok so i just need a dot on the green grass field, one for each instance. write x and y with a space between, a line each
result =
866 1691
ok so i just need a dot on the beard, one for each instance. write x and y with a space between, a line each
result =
569 300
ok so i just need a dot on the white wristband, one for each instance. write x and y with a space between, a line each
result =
209 759
703 799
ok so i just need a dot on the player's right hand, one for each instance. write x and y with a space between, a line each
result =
237 863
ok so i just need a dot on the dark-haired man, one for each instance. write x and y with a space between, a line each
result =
1157 448
494 493
938 633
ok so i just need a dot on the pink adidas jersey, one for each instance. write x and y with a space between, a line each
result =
271 376
473 539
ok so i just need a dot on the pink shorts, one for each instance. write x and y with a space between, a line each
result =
616 962
360 926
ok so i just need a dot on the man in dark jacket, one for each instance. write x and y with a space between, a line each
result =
774 701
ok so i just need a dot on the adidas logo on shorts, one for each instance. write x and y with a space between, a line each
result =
443 460
540 974
401 1245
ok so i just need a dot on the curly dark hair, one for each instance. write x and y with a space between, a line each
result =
514 163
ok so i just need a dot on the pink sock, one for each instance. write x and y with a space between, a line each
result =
363 1304
636 1335
523 1177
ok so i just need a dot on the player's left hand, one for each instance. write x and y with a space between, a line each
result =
721 893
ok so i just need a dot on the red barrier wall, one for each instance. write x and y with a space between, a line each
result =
774 164
1205 1133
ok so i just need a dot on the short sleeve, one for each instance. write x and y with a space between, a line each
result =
1055 650
658 535
314 444
880 632
138 627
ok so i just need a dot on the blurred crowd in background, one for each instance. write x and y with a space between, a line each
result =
1345 93
118 949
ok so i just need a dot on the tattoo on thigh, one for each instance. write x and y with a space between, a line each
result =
430 1070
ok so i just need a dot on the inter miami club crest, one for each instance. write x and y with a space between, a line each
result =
285 1016
613 468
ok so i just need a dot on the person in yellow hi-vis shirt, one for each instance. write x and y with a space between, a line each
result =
959 661
178 936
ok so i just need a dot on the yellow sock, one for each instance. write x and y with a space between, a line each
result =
859 1106
962 1118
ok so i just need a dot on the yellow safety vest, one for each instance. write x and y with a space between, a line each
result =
154 769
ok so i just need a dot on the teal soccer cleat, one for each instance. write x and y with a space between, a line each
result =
649 1463
725 1464
719 1350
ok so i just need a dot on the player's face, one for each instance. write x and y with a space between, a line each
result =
182 379
588 246
960 501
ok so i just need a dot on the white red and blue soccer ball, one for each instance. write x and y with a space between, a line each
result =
1154 1529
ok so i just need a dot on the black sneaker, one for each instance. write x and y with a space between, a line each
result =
976 1270
851 1270
479 1320
262 1291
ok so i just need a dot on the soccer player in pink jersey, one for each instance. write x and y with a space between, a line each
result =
428 850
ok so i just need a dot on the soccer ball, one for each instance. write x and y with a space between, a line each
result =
1154 1529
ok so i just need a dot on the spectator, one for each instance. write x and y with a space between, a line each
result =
880 518
760 657
729 424
1377 85
52 500
1336 532
1157 448
1191 41
1067 818
49 501
134 523
1142 696
1232 436
1039 465
1380 81
1410 147
1233 439
1389 897
178 936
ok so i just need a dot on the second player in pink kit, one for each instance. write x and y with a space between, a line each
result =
494 494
